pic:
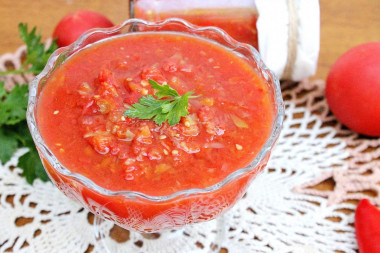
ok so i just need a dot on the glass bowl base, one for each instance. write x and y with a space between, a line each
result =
203 237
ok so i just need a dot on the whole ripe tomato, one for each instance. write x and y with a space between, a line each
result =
76 23
353 89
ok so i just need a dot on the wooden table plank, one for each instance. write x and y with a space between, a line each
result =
45 14
344 23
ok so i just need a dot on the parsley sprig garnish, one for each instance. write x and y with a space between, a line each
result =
167 106
14 132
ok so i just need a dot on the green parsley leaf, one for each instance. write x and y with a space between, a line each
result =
170 109
3 91
32 166
36 55
163 90
13 104
22 134
179 109
14 132
8 144
148 108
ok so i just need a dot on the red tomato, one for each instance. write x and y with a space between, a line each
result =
75 24
353 89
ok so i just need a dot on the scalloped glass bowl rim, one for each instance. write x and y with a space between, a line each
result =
53 161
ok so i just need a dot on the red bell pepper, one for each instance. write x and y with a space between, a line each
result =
367 226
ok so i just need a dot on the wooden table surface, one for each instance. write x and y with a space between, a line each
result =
344 23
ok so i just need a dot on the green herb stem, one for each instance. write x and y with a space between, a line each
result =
19 71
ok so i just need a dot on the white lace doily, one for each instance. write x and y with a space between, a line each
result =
281 212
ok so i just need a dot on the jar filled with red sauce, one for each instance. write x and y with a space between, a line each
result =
285 32
237 18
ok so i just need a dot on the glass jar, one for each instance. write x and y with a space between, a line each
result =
237 18
285 32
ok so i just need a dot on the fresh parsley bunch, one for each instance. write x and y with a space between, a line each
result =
14 132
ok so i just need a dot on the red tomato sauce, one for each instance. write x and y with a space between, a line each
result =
239 23
80 113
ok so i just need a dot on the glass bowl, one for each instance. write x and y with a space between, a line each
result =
135 210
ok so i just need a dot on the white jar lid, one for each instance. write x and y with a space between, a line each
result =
288 36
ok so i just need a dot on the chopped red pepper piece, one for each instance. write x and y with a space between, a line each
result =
367 225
